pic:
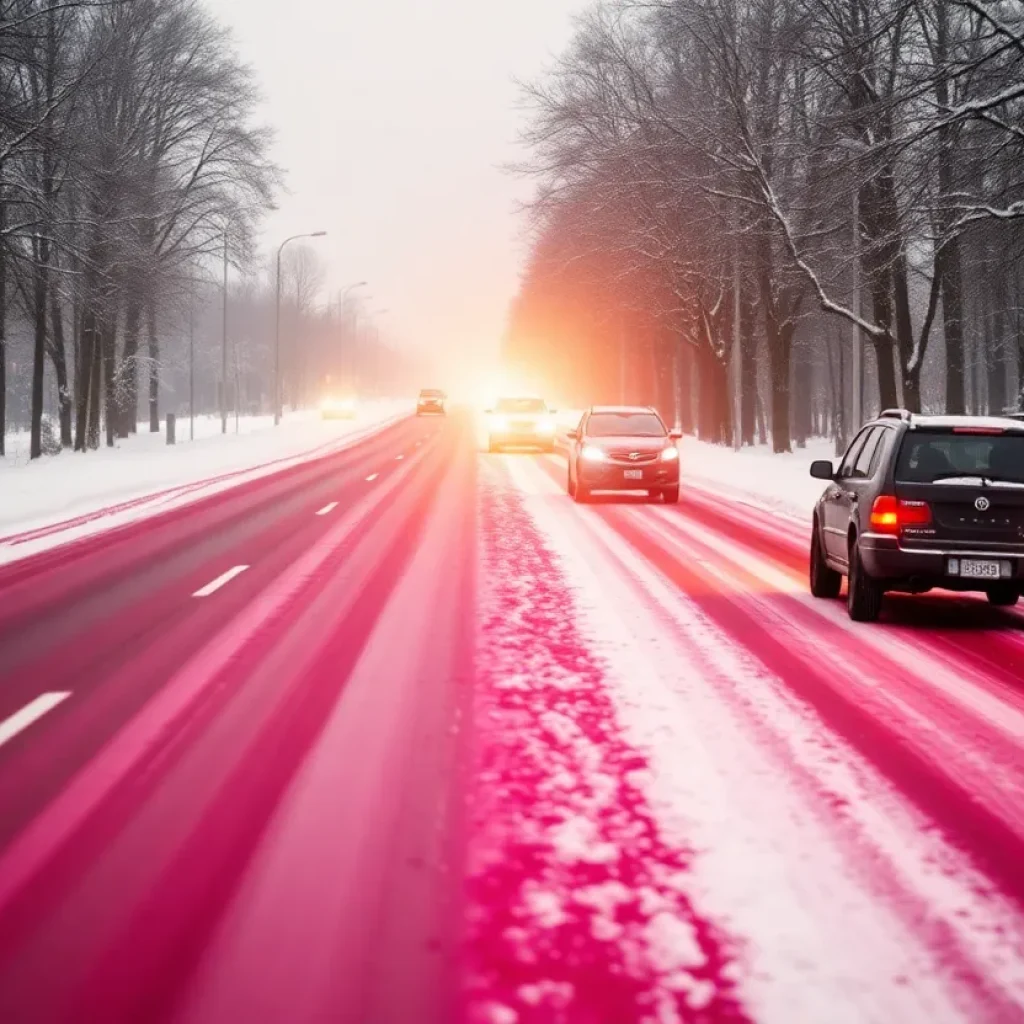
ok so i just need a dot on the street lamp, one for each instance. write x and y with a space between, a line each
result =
277 317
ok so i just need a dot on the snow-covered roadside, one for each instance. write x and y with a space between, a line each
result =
758 475
60 498
843 903
576 912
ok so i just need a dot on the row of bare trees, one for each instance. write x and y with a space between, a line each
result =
735 196
129 158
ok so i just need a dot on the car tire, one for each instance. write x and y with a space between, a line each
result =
825 581
864 595
580 494
569 489
1003 596
491 446
670 495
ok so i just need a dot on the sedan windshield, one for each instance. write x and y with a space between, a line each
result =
962 458
521 405
625 424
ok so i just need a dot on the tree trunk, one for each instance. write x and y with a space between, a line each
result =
748 363
95 383
154 370
108 348
58 354
128 374
41 248
995 331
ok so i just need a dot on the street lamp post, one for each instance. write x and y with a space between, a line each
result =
277 318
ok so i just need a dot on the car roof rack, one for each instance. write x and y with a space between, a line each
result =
895 414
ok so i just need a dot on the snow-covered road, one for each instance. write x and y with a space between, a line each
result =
704 795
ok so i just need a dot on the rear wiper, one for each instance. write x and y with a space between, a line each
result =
949 478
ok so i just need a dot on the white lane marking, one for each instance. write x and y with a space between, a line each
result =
372 477
399 457
219 582
328 508
32 711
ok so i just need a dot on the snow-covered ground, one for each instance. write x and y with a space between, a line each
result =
757 474
143 474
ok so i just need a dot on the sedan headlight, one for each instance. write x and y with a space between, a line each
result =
669 454
499 423
546 426
591 453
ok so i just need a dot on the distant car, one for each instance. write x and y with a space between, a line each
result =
338 408
521 423
919 502
623 448
431 402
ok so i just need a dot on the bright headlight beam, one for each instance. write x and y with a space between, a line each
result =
592 454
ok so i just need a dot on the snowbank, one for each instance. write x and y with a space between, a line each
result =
61 497
758 475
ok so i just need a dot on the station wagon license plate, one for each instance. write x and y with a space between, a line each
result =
975 569
633 474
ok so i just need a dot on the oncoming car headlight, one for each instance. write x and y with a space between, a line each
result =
546 425
591 453
669 454
499 423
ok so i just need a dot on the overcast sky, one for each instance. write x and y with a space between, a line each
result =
392 122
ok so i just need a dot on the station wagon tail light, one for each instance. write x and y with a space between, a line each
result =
890 515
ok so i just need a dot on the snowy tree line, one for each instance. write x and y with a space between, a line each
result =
128 154
731 191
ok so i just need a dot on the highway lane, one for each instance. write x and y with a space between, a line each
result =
840 807
243 754
407 735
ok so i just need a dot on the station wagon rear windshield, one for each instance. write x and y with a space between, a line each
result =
970 459
521 405
430 393
625 424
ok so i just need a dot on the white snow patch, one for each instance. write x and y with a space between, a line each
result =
576 839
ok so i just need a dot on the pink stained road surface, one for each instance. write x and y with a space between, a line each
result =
461 750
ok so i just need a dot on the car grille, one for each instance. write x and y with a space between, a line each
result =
625 455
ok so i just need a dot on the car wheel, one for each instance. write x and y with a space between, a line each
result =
580 494
568 484
825 581
491 446
670 495
1003 596
864 595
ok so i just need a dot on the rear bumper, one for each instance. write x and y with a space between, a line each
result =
884 558
429 410
612 476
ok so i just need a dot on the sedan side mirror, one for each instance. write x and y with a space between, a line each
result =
488 412
675 435
822 469
572 435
